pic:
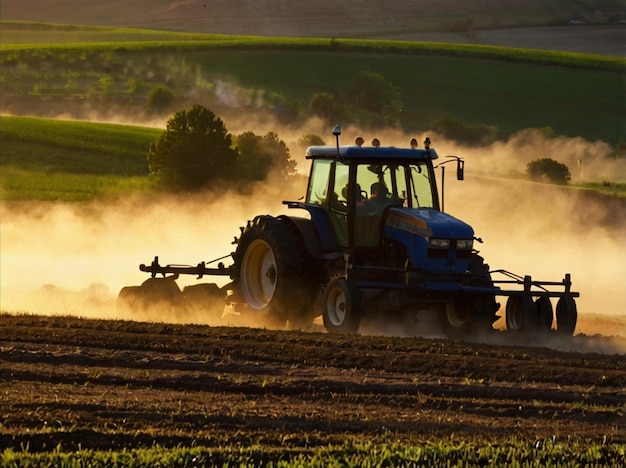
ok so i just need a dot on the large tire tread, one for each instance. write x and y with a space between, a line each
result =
297 279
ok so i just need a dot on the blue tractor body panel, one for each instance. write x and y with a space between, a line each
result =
413 228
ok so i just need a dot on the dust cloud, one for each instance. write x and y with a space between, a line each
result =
63 258
67 258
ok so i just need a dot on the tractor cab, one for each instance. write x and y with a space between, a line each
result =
357 186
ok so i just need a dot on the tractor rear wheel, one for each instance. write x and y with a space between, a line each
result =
341 307
273 271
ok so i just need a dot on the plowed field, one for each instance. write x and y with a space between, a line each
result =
110 384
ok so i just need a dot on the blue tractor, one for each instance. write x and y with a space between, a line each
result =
370 239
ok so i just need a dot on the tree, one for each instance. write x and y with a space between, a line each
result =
253 164
283 166
325 106
265 156
372 92
548 169
194 150
310 139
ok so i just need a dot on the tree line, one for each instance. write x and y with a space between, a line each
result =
197 150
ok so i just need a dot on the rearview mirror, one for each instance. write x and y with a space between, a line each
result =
460 169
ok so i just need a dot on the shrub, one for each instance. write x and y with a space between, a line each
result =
471 135
549 170
159 99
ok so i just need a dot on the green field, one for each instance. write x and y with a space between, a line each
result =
13 33
505 94
45 159
116 69
77 147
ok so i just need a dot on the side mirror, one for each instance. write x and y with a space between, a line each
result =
460 169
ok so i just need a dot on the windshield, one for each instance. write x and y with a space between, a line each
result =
405 184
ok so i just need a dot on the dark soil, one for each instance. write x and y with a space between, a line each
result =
110 384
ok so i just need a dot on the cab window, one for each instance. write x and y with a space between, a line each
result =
318 182
421 187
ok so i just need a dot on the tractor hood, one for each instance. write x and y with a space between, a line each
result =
428 223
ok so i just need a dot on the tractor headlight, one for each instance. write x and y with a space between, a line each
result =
439 243
465 244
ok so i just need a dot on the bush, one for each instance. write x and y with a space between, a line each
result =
159 99
547 169
471 135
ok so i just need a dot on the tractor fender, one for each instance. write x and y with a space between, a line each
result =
313 240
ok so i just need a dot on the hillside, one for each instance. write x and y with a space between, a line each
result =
321 18
471 21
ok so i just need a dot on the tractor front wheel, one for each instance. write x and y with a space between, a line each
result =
470 314
341 307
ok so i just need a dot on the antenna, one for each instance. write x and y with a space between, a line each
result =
337 132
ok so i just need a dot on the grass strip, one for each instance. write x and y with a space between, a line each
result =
513 452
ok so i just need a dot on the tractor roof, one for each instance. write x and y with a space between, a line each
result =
367 153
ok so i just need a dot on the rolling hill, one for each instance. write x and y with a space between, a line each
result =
468 21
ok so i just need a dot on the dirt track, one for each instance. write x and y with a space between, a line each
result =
113 384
